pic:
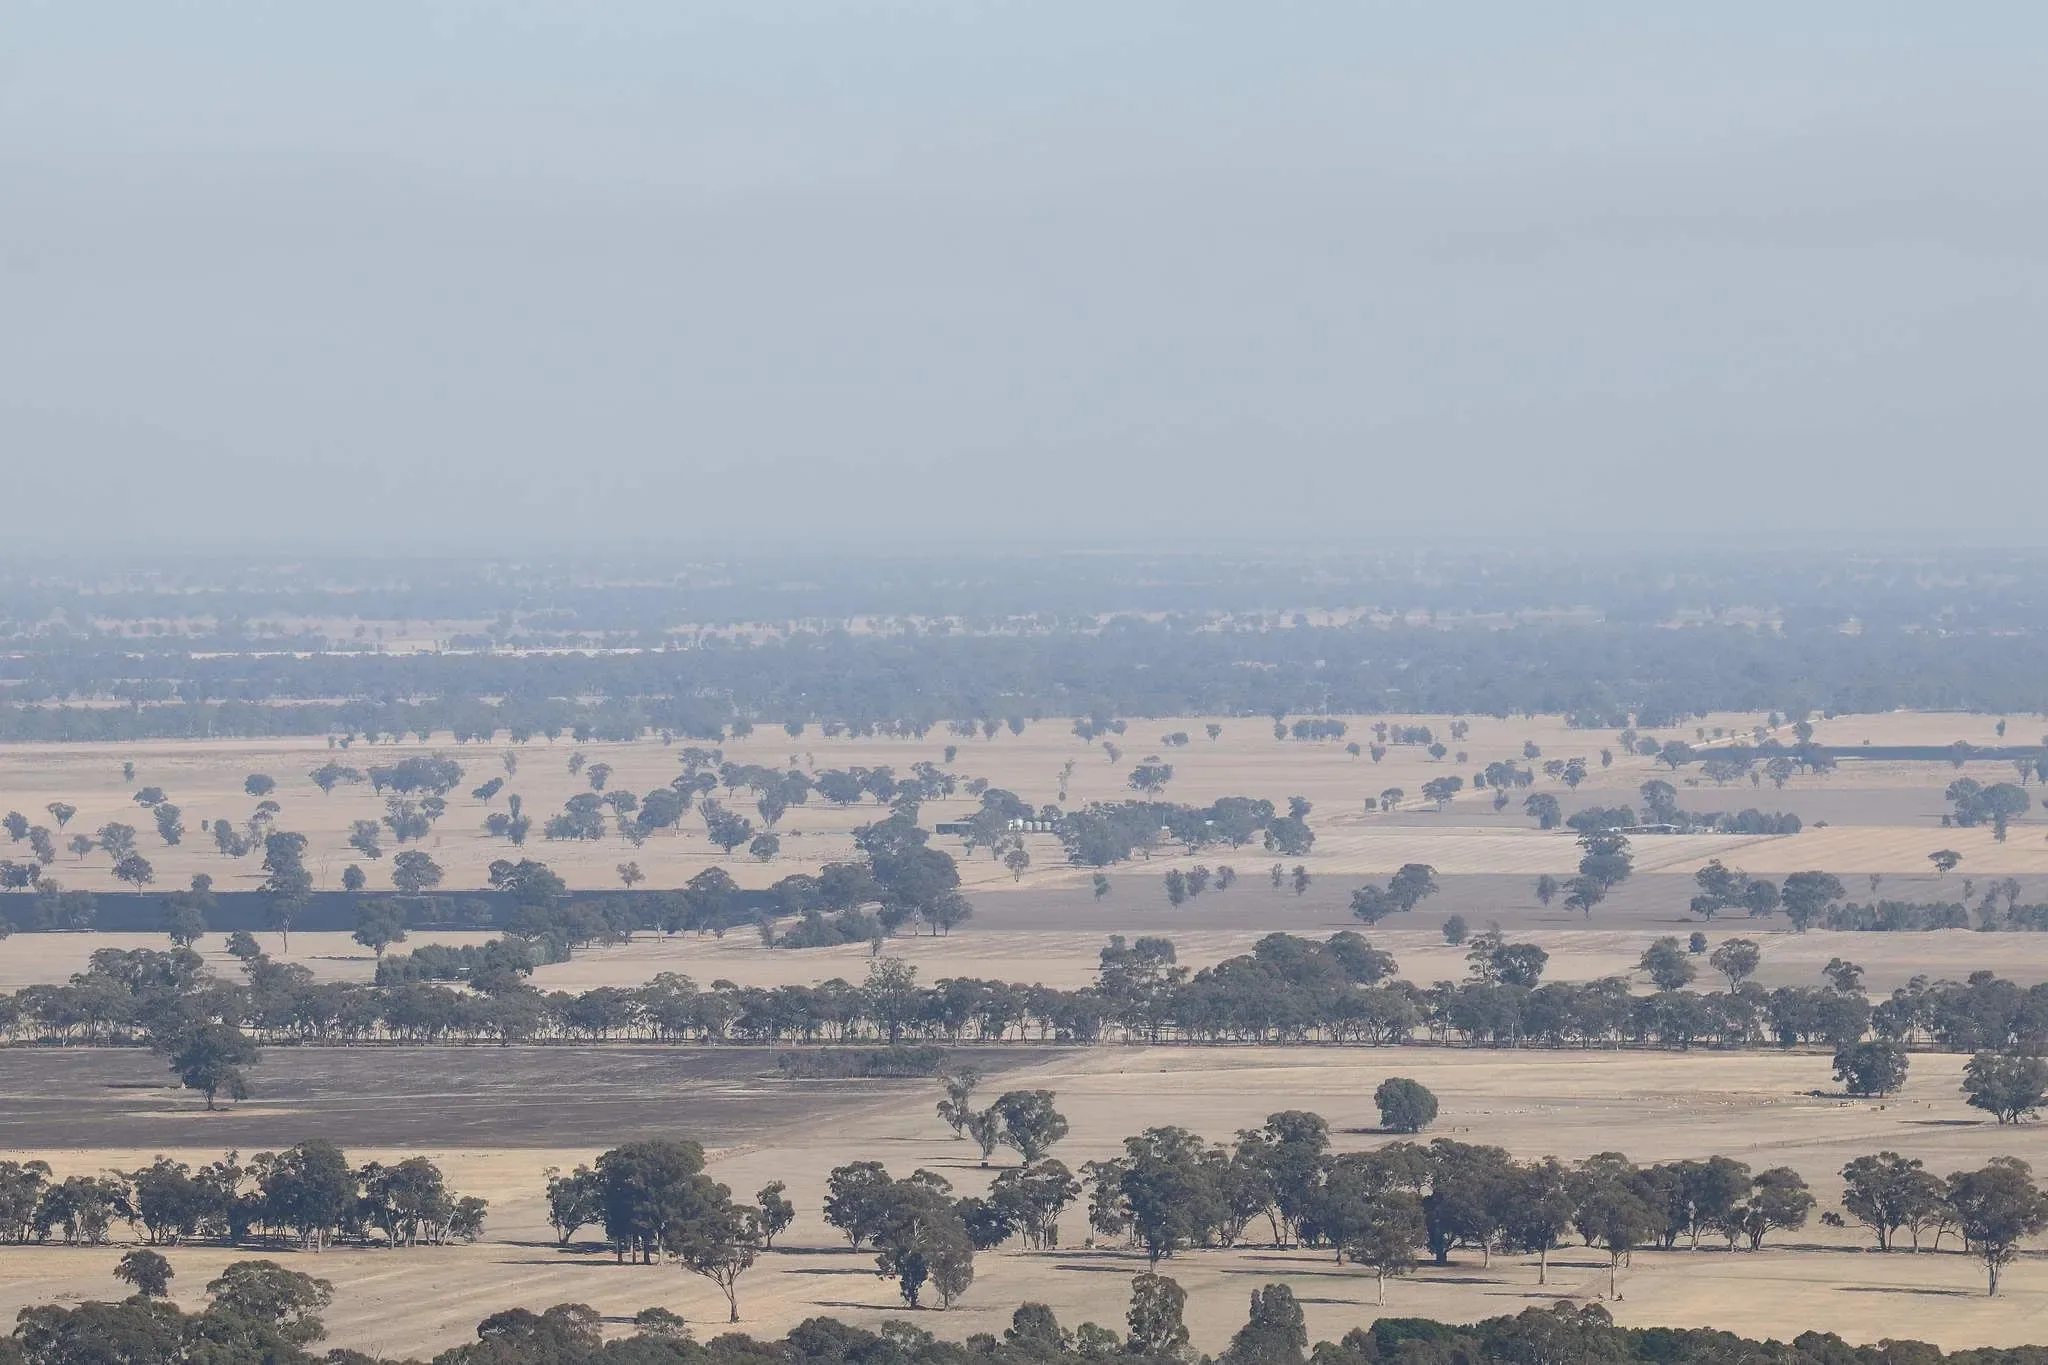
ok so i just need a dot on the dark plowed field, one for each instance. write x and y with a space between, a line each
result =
54 1098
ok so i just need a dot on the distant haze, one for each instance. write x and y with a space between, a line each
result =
472 275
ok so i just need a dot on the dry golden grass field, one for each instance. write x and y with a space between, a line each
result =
496 1118
1880 817
1753 1107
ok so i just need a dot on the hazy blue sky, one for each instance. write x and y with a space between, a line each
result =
1035 273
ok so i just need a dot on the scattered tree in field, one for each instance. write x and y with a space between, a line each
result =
1737 959
1876 1067
1667 965
1543 808
1029 1123
1456 930
1406 1106
147 1271
1779 1201
210 1059
1997 1207
1807 895
1843 976
1615 1217
1945 861
287 884
413 872
115 839
1495 961
776 1212
1157 1318
1299 879
720 1242
575 1201
264 1292
1385 1238
330 775
1538 1211
353 878
630 875
1275 1334
184 920
378 926
662 1324
365 838
1100 884
1605 857
1887 1192
259 784
61 812
1151 777
2008 1087
725 828
957 1108
135 870
915 1228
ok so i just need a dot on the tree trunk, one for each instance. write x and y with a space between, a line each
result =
1543 1265
1613 1269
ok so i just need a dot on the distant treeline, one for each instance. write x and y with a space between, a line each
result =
1910 916
307 1195
260 1311
1288 990
142 912
1960 590
1600 675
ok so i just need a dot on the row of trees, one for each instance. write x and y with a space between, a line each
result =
1602 672
306 1195
1287 990
655 1202
1384 1209
258 1311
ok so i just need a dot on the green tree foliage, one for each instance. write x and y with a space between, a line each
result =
1876 1067
1157 1319
2008 1087
1029 1123
147 1271
1405 1105
413 872
1996 1207
1667 964
1737 959
264 1292
379 925
211 1058
776 1212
